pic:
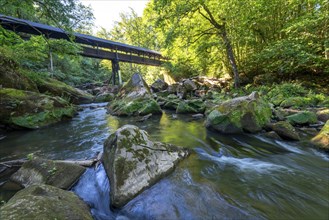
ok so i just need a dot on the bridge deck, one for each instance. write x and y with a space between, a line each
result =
121 52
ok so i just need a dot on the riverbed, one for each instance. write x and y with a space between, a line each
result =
226 177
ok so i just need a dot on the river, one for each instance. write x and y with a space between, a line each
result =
226 177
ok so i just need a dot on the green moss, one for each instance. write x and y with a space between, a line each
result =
13 93
124 167
43 118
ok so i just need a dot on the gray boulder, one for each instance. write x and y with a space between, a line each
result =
134 163
159 85
39 171
189 85
45 202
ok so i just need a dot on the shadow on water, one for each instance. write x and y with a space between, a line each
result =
226 177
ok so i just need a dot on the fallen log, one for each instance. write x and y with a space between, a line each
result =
9 167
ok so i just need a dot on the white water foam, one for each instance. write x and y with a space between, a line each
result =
289 147
244 164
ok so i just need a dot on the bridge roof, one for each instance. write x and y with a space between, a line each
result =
25 26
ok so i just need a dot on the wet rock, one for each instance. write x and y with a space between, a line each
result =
272 135
159 85
198 116
302 118
24 109
134 163
45 202
322 139
247 113
104 97
40 171
134 98
57 88
285 130
323 115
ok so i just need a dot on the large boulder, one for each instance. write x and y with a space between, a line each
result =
134 163
322 139
45 202
57 88
134 98
247 113
24 109
159 85
302 118
40 171
12 77
285 130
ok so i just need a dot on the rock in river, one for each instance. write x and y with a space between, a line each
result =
36 171
247 113
134 98
45 202
134 163
26 109
322 139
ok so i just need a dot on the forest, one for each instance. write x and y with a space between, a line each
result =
232 122
253 41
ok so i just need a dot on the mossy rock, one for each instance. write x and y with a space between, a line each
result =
285 130
24 109
323 115
133 163
12 77
322 139
57 88
134 99
106 97
40 171
247 113
45 202
302 118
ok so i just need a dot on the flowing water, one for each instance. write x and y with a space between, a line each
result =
226 177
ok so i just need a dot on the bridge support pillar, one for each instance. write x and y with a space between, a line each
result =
116 74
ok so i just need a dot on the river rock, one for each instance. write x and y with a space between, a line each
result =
57 88
323 115
133 162
322 139
104 97
40 171
302 118
24 109
285 130
45 202
134 98
159 85
247 113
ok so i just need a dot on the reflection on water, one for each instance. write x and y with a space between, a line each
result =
226 177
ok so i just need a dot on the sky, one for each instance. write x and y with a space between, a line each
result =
106 12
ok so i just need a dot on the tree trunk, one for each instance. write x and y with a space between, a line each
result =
230 55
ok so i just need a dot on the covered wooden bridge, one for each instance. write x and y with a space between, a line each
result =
93 47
